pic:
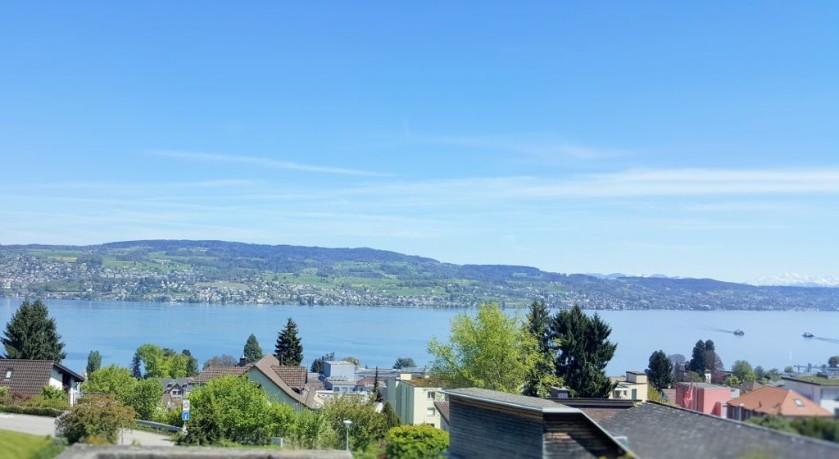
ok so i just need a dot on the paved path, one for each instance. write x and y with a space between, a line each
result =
39 425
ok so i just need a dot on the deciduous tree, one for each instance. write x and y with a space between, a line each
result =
416 442
584 352
743 370
31 334
96 418
367 426
485 350
223 360
289 350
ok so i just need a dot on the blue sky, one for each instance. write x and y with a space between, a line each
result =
693 140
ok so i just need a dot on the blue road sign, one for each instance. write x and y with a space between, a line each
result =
185 416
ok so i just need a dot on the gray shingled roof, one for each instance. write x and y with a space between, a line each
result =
521 401
655 430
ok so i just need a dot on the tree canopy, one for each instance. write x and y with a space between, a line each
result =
488 350
404 362
223 360
163 362
289 350
94 361
660 370
743 370
541 375
31 334
584 352
697 362
252 350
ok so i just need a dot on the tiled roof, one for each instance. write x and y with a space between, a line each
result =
28 377
295 377
266 365
654 430
215 372
779 401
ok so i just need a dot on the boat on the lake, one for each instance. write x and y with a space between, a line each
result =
808 335
739 332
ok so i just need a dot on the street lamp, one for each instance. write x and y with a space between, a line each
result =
347 424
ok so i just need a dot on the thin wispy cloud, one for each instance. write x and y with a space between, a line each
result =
263 162
538 147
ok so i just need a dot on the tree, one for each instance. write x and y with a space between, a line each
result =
485 350
94 361
697 362
743 370
95 419
377 394
367 426
223 360
390 415
163 362
234 409
760 373
678 362
404 362
31 334
191 364
353 360
541 375
584 352
660 370
289 350
833 362
252 350
317 364
143 396
416 442
311 430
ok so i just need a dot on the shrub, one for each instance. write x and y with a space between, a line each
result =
96 418
416 442
367 425
311 430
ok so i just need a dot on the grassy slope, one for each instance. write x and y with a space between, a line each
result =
16 445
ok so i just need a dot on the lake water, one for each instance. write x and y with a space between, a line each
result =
378 335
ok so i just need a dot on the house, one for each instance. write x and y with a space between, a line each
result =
339 376
174 390
487 423
773 401
633 386
655 430
413 399
822 390
28 377
283 384
704 397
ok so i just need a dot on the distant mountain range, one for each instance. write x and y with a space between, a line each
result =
798 280
232 272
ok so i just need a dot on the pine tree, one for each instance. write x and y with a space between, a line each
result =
584 352
392 419
289 350
94 361
540 375
31 334
252 350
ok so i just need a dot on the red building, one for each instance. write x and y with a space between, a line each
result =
704 398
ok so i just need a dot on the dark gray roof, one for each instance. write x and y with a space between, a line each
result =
520 401
655 430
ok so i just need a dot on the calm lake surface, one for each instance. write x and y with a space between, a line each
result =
378 335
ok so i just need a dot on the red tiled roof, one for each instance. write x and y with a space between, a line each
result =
266 366
28 377
295 377
779 401
215 372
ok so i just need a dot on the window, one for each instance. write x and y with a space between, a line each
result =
430 395
9 373
799 403
429 412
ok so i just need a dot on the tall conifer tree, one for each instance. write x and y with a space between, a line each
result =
252 351
31 334
289 350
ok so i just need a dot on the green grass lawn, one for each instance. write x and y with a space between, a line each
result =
16 445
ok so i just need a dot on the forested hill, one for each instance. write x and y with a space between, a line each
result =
231 272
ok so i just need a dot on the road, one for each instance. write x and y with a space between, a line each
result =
39 425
